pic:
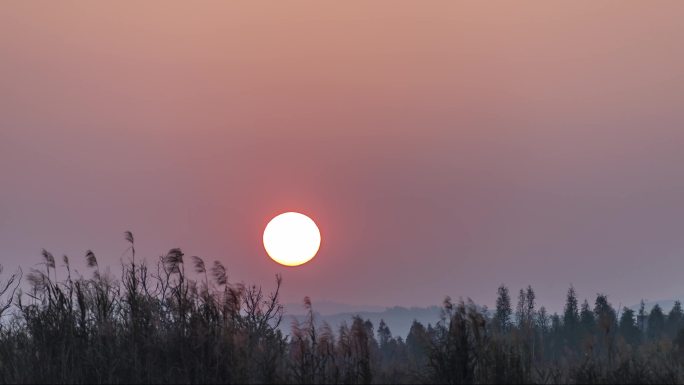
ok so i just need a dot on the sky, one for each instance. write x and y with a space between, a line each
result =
443 148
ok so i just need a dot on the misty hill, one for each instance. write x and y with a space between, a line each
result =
398 319
331 307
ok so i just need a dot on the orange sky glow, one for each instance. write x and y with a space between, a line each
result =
443 148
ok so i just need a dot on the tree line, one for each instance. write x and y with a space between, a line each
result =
180 320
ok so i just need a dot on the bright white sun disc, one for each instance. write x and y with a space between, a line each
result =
292 239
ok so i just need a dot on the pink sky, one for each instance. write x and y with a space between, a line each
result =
442 147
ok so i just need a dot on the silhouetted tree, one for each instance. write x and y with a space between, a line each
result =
180 320
530 303
641 317
384 334
502 316
675 320
571 318
520 317
418 342
543 320
587 320
628 327
524 313
656 322
606 325
458 341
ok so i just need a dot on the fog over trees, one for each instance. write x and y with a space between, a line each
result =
180 319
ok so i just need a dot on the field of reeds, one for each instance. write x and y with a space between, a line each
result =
180 320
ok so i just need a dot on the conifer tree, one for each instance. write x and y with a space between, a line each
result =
587 319
502 316
628 328
571 317
675 320
656 322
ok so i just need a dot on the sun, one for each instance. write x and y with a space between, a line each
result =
292 239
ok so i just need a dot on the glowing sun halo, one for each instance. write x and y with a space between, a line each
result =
292 239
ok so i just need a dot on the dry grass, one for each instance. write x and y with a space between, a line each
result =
163 324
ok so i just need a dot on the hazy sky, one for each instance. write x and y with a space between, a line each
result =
442 147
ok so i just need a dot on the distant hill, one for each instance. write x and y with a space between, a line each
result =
399 319
331 307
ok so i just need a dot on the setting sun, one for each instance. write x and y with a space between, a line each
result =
292 239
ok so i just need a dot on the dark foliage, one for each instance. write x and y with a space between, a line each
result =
161 324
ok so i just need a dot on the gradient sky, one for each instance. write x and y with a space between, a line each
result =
442 147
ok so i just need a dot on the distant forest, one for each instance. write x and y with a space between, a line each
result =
180 320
